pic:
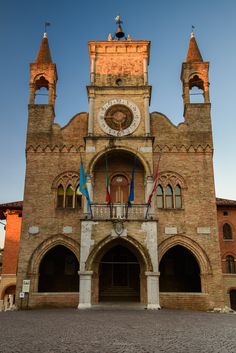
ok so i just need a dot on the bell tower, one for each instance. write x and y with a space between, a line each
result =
43 74
195 75
195 72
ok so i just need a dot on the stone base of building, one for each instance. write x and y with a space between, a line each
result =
50 300
191 301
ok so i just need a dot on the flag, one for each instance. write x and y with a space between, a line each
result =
131 191
154 183
83 185
108 195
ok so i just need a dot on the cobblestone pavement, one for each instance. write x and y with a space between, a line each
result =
116 330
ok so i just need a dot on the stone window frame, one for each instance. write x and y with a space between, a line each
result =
230 230
67 180
230 264
172 180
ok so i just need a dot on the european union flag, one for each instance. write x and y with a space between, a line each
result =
83 185
131 192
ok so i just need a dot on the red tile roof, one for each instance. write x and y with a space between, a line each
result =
16 205
225 202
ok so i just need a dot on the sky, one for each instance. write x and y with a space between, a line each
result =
73 23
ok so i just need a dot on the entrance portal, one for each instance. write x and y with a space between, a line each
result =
119 275
233 299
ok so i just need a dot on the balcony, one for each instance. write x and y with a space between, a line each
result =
120 211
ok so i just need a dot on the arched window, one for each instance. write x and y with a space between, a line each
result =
41 91
60 196
196 93
178 197
69 196
78 198
160 198
169 197
230 265
227 231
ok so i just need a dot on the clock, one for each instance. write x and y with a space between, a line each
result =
119 117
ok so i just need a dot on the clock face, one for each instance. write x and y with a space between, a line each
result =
119 117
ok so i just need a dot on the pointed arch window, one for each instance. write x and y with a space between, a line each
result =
230 264
69 197
178 197
60 196
169 197
227 232
160 197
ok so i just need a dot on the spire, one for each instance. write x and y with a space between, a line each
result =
44 55
193 51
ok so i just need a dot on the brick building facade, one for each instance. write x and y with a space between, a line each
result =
12 214
162 247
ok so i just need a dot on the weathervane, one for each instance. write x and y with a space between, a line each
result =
46 24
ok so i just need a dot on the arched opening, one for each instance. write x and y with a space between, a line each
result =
41 90
232 295
8 297
179 271
119 275
116 166
58 271
196 90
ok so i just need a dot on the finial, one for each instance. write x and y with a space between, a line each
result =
109 37
119 33
192 32
129 37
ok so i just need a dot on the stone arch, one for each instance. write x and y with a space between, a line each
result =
173 178
48 244
11 284
192 246
66 178
102 153
108 242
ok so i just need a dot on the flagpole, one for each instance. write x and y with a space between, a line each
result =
154 187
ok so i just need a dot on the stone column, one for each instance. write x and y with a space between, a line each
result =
145 71
153 290
90 120
85 289
153 301
206 92
92 70
32 94
147 115
186 97
85 276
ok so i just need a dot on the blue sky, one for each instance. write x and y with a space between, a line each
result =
73 22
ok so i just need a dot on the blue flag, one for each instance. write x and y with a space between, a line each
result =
131 191
83 185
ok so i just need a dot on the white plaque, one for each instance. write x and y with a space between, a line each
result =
26 285
67 230
203 230
170 230
21 295
33 230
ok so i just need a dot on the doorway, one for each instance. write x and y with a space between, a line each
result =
119 189
233 299
119 275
